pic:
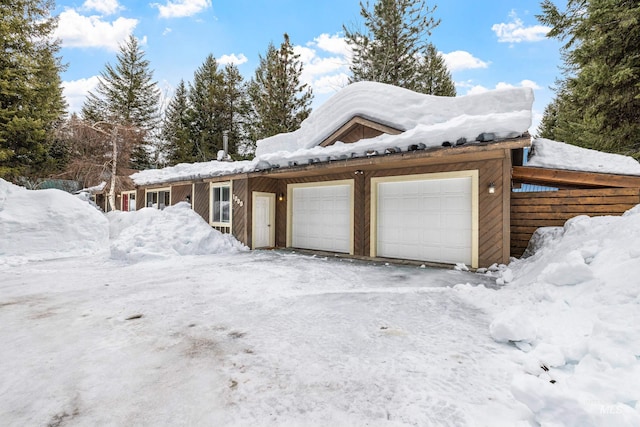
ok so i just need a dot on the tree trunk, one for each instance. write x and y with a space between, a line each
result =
114 164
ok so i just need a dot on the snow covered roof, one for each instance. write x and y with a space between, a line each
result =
558 155
95 189
505 112
192 171
426 121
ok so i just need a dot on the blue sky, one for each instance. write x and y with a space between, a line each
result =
486 44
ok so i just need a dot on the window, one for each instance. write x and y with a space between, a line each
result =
220 216
128 201
158 199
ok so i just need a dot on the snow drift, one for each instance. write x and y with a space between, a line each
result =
572 311
177 230
47 224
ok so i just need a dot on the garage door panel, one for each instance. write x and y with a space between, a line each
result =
321 218
428 219
457 222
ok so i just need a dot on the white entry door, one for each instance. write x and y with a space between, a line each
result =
263 234
425 220
321 218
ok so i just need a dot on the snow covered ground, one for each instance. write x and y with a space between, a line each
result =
187 327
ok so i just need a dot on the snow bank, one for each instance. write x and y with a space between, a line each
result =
47 224
558 155
177 230
573 310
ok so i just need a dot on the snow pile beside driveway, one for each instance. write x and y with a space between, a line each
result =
572 312
47 224
176 230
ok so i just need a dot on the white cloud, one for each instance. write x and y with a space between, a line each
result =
76 91
524 83
461 60
76 30
476 89
232 59
331 83
335 44
166 31
182 8
516 32
326 62
106 7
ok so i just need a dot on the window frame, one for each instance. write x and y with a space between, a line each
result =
212 187
156 190
128 194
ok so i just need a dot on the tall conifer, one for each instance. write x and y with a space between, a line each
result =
176 128
394 47
280 100
206 99
597 101
126 95
31 101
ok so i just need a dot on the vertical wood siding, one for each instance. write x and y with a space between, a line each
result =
180 192
241 203
200 200
265 185
491 237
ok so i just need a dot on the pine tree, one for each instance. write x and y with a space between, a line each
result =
597 102
235 110
206 96
176 128
127 96
280 101
394 48
31 102
436 79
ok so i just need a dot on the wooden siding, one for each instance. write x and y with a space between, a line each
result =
281 207
529 211
356 129
200 201
493 240
267 185
566 178
240 203
491 207
356 133
141 199
180 192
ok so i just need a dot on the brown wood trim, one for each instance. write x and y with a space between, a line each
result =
535 175
580 193
354 121
506 205
577 209
588 200
434 156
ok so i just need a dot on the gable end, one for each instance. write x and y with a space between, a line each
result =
356 129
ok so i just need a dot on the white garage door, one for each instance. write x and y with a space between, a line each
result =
426 220
321 218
